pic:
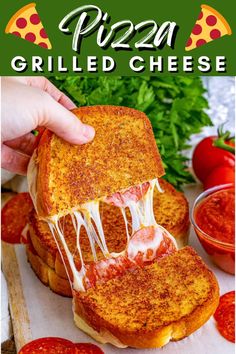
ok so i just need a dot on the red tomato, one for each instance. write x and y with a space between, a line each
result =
219 175
49 345
206 157
15 216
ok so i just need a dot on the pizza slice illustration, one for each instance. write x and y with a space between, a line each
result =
209 26
26 24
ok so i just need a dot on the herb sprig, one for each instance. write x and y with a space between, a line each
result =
175 105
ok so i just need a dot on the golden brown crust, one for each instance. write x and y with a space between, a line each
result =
42 199
47 275
171 210
153 305
43 249
141 339
122 154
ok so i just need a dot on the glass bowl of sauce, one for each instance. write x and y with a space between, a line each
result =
213 218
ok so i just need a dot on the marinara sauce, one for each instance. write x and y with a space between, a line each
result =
214 217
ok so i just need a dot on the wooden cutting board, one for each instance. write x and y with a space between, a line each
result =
18 308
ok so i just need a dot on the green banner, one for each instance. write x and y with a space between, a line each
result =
118 37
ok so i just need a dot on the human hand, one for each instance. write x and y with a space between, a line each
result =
29 103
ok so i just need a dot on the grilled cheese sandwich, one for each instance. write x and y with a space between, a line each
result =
120 167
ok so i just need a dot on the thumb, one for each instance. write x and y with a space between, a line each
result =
65 124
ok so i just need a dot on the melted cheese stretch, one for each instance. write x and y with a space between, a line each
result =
142 215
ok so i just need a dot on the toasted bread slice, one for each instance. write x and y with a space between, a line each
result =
150 306
123 154
171 211
170 208
47 275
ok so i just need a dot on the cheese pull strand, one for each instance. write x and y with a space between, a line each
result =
141 211
91 212
77 276
140 207
77 223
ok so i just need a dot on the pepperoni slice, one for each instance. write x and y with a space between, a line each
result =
21 22
167 247
87 348
134 193
200 15
43 45
30 37
49 345
16 34
200 42
148 244
104 270
197 29
15 216
215 33
189 42
226 324
211 20
225 301
145 246
34 19
43 33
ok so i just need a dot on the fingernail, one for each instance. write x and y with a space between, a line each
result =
88 132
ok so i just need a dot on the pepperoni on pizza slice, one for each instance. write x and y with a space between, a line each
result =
26 24
209 26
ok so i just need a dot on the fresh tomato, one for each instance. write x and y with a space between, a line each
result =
219 175
209 154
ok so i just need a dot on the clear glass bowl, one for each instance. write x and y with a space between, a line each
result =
221 253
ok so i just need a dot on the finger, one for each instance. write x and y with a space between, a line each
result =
44 84
26 143
13 160
65 124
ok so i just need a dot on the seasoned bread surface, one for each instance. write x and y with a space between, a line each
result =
149 307
122 154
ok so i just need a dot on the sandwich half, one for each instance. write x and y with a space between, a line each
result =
123 154
150 306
